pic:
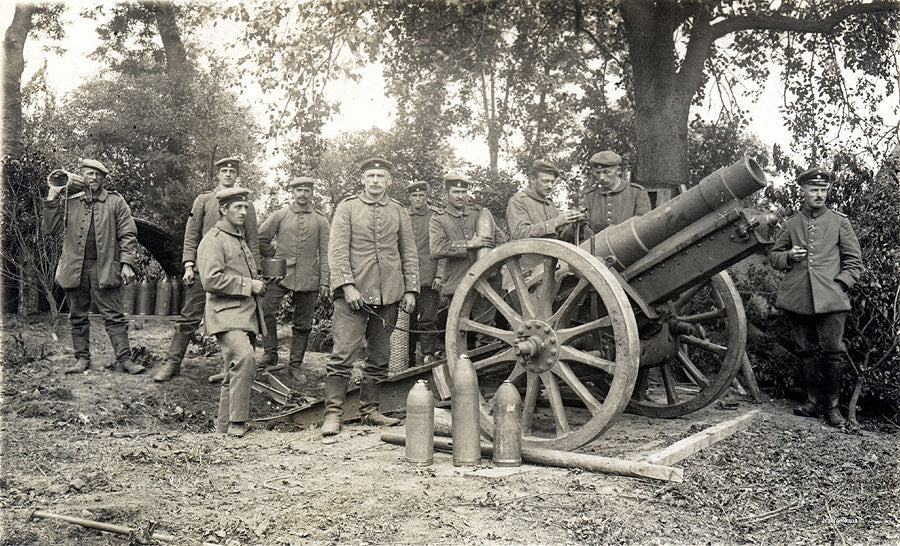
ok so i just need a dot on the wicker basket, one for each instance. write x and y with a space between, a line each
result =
399 346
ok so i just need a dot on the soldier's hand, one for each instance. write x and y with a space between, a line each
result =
324 292
568 217
257 287
797 253
127 274
408 303
479 241
437 284
353 297
188 276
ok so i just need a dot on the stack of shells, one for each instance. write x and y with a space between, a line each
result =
162 296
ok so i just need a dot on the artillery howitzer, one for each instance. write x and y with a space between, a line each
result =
645 299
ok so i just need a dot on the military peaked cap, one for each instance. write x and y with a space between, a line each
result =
541 166
816 175
231 195
302 181
376 163
456 180
417 186
606 158
234 162
94 164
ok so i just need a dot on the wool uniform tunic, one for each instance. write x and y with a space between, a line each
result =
372 246
610 207
300 236
813 286
448 233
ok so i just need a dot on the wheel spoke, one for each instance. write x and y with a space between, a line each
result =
686 297
526 301
505 355
499 303
556 403
549 286
532 390
571 300
565 372
566 334
669 382
704 316
714 348
692 371
469 325
567 352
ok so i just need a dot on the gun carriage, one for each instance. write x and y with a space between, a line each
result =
640 316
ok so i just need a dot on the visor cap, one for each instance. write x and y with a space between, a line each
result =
232 195
606 158
94 164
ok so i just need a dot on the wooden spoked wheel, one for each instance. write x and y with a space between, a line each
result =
536 337
710 330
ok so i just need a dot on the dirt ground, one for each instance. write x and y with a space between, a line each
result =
124 450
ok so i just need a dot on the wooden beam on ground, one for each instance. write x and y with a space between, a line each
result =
703 439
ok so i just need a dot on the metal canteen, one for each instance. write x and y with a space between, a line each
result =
274 267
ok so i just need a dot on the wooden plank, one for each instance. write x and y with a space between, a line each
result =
703 439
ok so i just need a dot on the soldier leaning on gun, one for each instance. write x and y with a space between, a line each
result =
299 234
204 215
612 199
531 213
98 253
821 258
374 267
431 275
233 312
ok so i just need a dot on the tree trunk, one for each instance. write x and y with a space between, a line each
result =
662 93
13 66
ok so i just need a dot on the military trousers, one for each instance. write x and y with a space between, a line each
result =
350 328
426 319
302 318
108 303
238 370
819 340
188 321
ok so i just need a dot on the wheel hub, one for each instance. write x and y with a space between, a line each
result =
537 346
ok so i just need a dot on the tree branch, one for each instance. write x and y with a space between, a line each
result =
796 24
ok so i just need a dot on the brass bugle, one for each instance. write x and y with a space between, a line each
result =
61 177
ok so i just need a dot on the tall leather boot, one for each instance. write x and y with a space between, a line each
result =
81 342
172 367
298 352
335 391
811 380
122 349
830 389
270 349
368 407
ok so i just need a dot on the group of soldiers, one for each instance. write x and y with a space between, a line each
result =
377 257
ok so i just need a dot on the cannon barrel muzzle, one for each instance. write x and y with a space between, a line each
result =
625 243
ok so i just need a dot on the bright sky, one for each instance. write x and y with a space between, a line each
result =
363 103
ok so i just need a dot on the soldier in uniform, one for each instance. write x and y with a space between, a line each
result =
431 273
821 258
98 253
299 234
454 237
531 213
204 215
233 311
612 200
374 267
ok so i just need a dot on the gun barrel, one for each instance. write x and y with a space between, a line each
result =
627 242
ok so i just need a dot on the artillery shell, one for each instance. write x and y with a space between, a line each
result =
507 426
420 425
465 427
